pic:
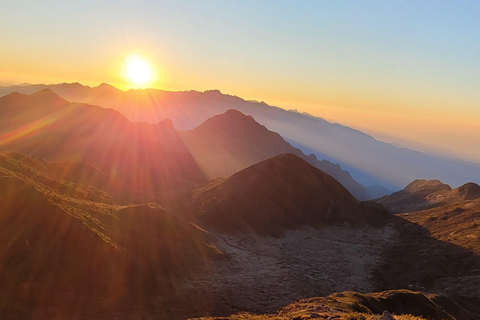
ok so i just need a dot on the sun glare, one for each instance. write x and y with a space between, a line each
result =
138 71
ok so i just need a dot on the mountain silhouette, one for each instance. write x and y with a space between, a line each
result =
104 138
371 162
283 192
232 141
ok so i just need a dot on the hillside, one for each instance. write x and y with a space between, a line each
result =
425 194
437 250
387 305
141 161
64 253
232 141
83 233
283 192
457 224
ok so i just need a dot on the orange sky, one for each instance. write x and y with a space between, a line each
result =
401 72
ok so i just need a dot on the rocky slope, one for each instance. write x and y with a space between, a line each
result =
387 305
450 260
283 192
424 194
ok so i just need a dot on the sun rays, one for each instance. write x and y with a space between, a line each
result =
138 72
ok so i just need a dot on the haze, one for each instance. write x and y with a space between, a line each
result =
406 72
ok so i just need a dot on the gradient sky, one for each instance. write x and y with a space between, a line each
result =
406 72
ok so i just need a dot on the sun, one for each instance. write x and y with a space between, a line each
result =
137 70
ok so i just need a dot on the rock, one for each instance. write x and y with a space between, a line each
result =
387 316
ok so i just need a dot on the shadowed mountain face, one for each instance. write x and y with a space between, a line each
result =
438 251
61 249
439 246
232 141
424 194
146 159
284 192
368 160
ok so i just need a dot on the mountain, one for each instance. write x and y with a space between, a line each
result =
423 194
66 251
369 161
78 240
138 159
232 141
283 192
55 129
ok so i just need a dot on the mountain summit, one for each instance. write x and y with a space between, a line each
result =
232 141
425 194
283 192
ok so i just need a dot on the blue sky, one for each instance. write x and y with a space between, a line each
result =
368 64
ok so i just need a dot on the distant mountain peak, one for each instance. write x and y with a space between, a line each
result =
238 141
425 194
107 87
234 113
469 191
166 124
420 185
45 92
213 91
48 96
233 120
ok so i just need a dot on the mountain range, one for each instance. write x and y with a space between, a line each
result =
369 161
104 218
140 156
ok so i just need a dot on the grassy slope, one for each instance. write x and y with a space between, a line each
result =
61 249
404 304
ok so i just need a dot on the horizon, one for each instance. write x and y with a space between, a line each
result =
400 72
239 160
395 141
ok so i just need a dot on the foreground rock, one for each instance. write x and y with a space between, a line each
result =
387 305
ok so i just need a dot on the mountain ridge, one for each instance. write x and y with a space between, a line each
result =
65 124
424 194
368 160
232 141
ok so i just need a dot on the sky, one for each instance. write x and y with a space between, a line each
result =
407 72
